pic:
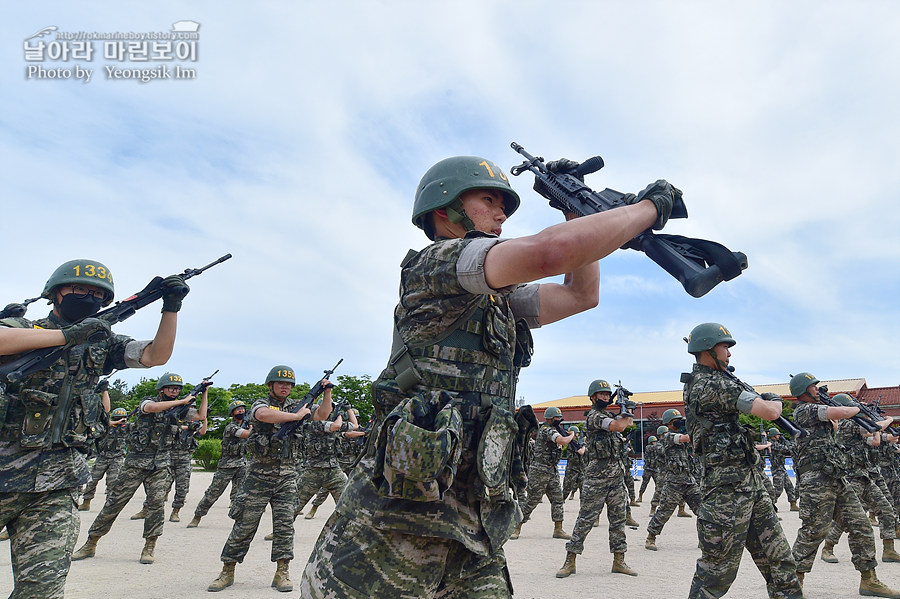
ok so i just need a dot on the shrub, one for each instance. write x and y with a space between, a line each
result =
208 454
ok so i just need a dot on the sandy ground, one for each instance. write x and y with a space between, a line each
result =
187 560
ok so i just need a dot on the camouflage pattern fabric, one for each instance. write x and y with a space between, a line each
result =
320 498
103 466
736 510
217 486
890 471
156 482
679 485
312 479
651 466
321 473
781 450
826 496
544 482
873 500
258 491
574 476
595 493
181 471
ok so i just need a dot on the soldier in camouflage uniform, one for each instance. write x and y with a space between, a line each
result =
48 419
863 476
574 476
780 450
651 470
825 494
736 510
186 443
603 481
886 456
271 478
543 477
628 480
680 484
434 520
148 462
345 450
232 466
110 455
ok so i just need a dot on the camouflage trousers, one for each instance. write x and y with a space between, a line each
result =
572 481
312 480
103 465
322 495
872 498
728 521
544 482
43 528
155 482
672 495
219 483
782 482
628 480
256 492
824 498
645 480
181 467
595 493
770 488
893 485
351 560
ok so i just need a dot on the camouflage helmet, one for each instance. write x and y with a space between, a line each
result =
169 379
844 399
235 405
118 413
773 431
662 430
670 415
447 180
81 272
707 335
598 386
801 382
281 373
652 439
552 412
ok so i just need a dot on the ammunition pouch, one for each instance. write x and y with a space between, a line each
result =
39 407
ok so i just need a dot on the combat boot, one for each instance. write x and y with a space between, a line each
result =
311 513
620 567
147 553
682 513
631 522
596 521
194 523
515 534
225 579
652 510
889 555
634 503
269 537
640 498
282 581
568 567
872 519
800 576
870 586
4 534
828 554
85 505
140 515
175 517
558 532
650 543
794 506
87 550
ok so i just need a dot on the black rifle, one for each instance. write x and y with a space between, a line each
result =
39 359
894 428
626 406
17 310
289 427
565 432
179 413
698 264
786 425
870 425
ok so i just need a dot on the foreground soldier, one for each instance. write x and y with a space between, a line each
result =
736 510
602 481
42 466
421 527
271 479
825 494
232 466
149 463
110 455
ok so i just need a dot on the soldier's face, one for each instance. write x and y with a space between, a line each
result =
171 391
486 209
722 352
281 389
813 391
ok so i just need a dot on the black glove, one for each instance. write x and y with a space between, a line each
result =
563 165
14 310
174 290
771 397
663 195
89 330
102 386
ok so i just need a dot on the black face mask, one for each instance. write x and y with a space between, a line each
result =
74 308
603 404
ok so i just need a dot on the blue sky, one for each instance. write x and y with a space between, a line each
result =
298 147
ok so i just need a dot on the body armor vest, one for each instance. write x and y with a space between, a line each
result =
153 431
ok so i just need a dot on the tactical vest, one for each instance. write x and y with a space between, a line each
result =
819 451
262 443
112 444
547 452
232 445
604 445
153 431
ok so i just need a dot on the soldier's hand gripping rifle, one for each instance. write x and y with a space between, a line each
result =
289 427
563 430
17 310
179 413
621 397
862 419
894 428
783 423
698 264
39 359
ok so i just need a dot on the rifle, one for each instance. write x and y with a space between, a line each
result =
179 413
861 418
893 428
785 424
289 427
39 359
565 432
698 264
15 310
626 406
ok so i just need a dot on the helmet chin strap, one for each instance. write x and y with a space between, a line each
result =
722 365
457 215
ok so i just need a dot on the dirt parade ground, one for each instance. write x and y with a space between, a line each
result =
187 560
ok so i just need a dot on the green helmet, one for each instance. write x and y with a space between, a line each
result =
662 430
81 272
801 382
707 335
670 415
773 431
118 413
597 386
844 399
169 378
444 182
236 404
281 373
652 439
551 413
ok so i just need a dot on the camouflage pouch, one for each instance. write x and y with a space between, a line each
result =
38 411
87 423
495 448
417 459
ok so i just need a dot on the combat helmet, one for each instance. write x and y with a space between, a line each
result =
598 386
707 335
169 379
446 181
652 439
773 431
670 415
801 382
81 272
281 373
118 413
552 412
235 405
662 430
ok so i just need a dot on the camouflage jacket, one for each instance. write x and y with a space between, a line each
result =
547 452
780 451
112 444
653 458
849 435
818 450
887 461
151 438
604 447
321 446
270 456
233 447
48 419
